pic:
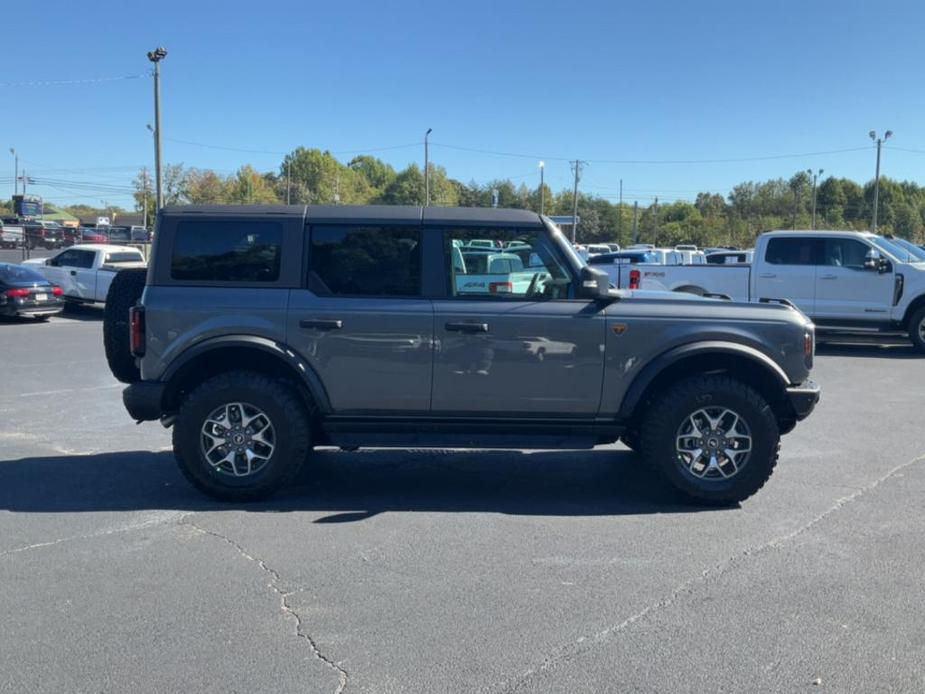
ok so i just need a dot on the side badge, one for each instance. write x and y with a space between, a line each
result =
619 328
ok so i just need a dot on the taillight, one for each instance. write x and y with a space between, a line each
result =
57 291
18 293
635 276
500 287
136 317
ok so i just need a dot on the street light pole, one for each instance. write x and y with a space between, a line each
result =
156 56
427 168
873 136
542 188
577 164
814 175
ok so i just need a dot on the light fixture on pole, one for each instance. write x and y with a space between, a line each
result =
427 168
542 188
156 56
873 136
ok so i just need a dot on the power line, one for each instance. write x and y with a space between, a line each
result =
270 151
654 161
91 80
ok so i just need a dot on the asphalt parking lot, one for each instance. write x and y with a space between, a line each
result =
438 571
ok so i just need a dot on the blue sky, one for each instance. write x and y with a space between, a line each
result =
601 81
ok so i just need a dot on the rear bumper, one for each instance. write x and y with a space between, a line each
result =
44 309
803 398
144 400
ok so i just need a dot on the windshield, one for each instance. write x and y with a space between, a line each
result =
566 247
124 258
917 252
893 249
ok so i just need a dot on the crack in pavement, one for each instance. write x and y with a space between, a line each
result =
160 520
284 596
585 643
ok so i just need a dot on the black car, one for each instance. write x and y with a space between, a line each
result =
24 292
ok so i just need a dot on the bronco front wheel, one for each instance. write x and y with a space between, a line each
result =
713 437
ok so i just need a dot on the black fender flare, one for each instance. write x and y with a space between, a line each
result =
277 349
657 365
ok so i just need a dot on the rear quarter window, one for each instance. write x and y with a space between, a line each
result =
227 251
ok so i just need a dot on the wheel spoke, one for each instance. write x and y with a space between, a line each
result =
713 443
245 431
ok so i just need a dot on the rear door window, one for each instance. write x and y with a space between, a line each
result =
227 251
795 251
364 260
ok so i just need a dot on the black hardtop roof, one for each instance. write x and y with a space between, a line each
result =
474 216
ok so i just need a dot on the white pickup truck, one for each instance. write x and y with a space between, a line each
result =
85 272
845 281
11 236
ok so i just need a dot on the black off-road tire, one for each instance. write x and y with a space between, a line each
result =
283 408
664 418
124 292
916 329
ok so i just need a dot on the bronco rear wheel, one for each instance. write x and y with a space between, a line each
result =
240 436
713 437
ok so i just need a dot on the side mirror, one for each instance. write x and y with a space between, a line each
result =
595 284
873 260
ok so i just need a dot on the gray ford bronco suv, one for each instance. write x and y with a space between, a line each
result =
259 333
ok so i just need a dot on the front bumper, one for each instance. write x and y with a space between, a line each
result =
804 397
144 400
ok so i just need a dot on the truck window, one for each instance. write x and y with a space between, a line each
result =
795 251
504 264
229 251
844 253
348 260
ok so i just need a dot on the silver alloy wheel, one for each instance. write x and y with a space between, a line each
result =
713 443
238 439
922 329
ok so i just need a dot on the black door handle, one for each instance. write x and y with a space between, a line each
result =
74 272
467 327
321 324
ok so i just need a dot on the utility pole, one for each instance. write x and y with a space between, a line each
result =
156 56
288 180
635 221
576 167
814 175
427 168
144 185
620 213
25 179
873 136
15 171
542 188
655 241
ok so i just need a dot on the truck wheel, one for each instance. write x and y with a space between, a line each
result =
240 436
917 330
714 438
125 290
